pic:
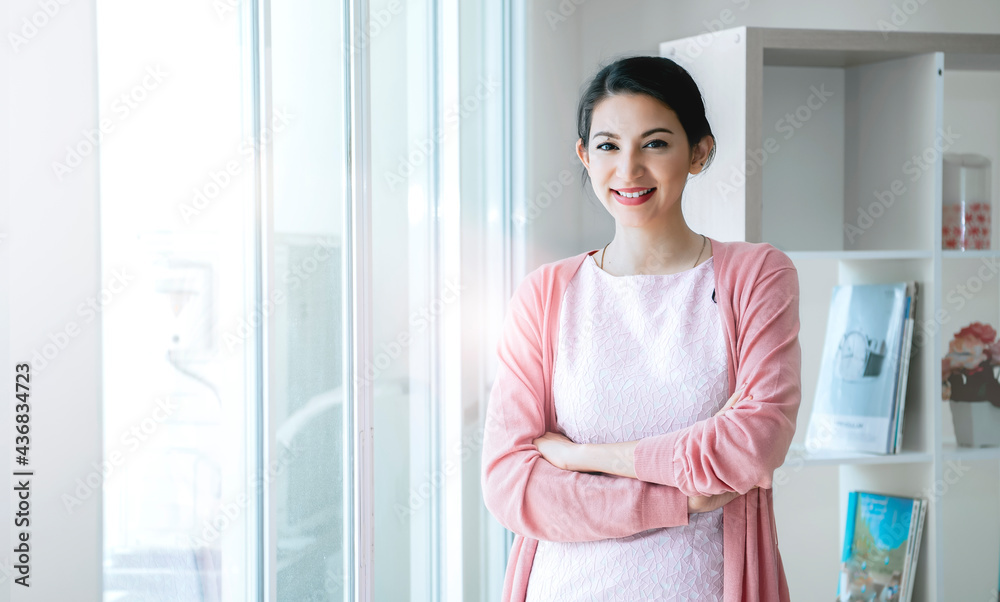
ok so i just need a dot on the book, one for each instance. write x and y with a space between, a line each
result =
915 547
855 407
881 546
899 387
904 370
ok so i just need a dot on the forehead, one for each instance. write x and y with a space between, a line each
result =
632 113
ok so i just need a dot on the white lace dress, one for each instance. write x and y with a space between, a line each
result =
637 356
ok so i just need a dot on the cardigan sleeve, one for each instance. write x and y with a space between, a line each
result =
526 493
744 446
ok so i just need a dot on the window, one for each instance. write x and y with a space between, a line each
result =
314 223
176 175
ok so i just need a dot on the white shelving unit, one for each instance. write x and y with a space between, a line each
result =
830 148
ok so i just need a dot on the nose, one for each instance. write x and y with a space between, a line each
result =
630 167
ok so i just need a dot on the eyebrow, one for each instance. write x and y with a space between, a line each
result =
644 134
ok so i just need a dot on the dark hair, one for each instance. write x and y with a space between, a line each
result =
659 77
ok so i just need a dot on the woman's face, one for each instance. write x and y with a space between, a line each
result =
639 158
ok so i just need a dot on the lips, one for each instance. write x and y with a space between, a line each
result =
646 194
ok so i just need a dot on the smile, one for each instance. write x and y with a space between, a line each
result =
634 196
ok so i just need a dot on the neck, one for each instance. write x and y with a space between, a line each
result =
665 250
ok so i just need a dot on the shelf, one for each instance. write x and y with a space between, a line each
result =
951 451
859 255
834 153
952 254
845 48
798 453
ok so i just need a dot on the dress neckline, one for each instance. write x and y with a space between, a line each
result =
597 268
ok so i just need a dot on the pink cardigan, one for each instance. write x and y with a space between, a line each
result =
757 292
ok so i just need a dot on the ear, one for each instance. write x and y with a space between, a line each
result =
581 151
700 154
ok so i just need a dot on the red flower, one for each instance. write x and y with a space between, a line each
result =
978 330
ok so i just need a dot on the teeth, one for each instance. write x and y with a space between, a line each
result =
633 195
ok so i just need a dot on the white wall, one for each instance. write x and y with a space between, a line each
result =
51 255
554 216
570 40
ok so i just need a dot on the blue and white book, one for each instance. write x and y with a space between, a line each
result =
855 407
881 546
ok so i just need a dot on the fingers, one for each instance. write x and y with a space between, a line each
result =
708 503
732 400
725 498
736 395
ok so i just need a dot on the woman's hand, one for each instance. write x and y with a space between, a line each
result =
558 449
608 458
732 400
708 503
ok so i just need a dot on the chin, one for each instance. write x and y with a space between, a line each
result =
629 219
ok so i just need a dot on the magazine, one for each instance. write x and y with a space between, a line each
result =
855 406
881 544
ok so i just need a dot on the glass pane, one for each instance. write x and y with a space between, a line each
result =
308 198
401 158
178 380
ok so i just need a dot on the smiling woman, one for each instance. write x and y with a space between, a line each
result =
644 398
649 136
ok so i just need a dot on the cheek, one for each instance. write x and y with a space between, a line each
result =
601 167
600 175
677 166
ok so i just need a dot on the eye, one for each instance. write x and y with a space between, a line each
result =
657 143
603 144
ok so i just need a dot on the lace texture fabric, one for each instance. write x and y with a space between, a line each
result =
638 356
